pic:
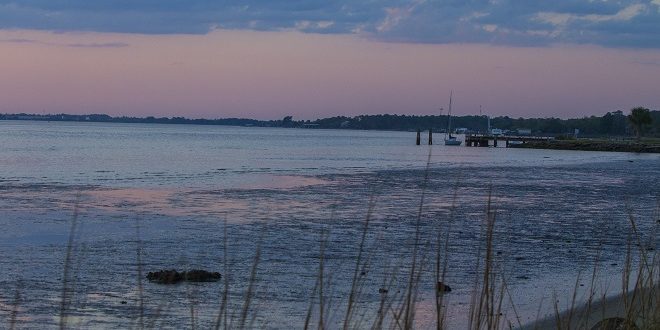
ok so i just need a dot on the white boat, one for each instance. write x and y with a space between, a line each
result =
449 139
452 141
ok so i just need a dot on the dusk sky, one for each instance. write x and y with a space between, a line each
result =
319 58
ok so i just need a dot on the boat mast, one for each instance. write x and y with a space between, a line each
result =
488 131
449 114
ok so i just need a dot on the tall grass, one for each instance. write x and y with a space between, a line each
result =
250 288
637 307
15 305
408 307
442 263
357 275
139 274
397 306
65 298
222 311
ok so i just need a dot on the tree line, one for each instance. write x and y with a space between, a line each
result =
615 123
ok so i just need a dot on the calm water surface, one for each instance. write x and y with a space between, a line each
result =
183 185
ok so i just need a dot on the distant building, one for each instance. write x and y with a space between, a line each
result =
524 131
461 130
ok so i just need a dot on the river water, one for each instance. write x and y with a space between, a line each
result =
146 197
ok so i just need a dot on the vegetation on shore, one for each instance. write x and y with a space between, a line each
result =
640 118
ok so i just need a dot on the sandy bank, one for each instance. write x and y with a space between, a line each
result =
641 306
593 145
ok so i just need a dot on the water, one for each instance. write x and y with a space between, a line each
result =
279 189
148 155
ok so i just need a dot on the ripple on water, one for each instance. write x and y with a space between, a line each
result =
549 221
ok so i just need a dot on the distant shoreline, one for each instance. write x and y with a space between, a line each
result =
612 124
625 144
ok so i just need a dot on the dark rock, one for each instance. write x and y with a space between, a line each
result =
173 276
383 291
520 258
197 275
123 302
614 264
443 287
165 277
615 323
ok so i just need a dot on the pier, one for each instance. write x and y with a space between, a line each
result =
483 140
418 141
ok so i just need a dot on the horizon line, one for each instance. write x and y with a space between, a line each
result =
43 115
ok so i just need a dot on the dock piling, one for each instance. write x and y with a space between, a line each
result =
419 137
430 136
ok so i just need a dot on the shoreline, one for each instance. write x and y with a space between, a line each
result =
593 145
587 315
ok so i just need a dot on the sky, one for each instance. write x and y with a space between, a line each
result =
319 58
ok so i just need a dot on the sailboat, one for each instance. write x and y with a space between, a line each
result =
449 139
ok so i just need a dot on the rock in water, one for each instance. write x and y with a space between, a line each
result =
198 275
442 288
173 276
615 323
165 277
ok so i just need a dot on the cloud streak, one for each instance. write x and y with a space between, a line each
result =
624 23
98 45
72 45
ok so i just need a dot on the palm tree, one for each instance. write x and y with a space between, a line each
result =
638 118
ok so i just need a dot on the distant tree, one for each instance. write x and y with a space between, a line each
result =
287 121
606 123
639 117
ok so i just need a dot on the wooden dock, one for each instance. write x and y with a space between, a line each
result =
484 140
